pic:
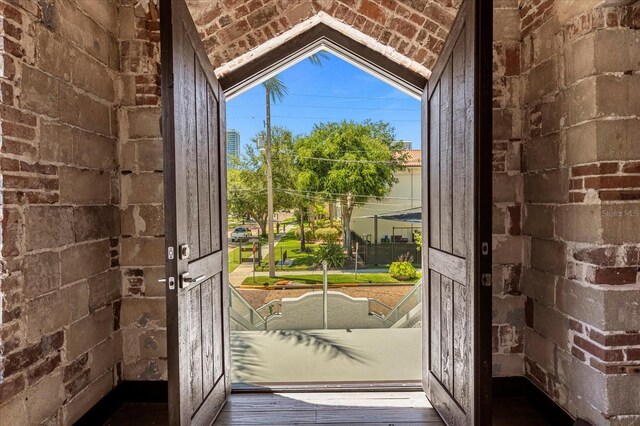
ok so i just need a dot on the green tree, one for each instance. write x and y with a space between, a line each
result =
247 184
351 162
275 91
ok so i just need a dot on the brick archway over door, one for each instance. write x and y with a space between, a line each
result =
411 32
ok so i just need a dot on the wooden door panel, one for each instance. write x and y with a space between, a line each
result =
206 299
213 110
459 244
202 161
458 310
434 169
195 216
195 347
435 325
460 345
189 139
445 160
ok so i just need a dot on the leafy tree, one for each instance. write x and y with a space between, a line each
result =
351 162
247 184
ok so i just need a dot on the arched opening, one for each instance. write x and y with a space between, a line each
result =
451 343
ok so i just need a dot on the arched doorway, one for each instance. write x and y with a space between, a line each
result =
456 144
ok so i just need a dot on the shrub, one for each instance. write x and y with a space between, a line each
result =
308 234
332 253
402 270
327 235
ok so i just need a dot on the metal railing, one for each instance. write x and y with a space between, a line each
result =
378 308
268 309
410 301
244 314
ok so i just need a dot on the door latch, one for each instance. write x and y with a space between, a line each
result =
486 280
172 282
485 249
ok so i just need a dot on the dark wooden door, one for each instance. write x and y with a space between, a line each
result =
193 123
456 146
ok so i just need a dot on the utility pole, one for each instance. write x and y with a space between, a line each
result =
272 260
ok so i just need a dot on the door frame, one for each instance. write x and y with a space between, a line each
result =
323 35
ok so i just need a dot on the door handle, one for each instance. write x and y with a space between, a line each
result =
185 280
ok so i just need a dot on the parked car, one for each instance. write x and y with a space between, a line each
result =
240 232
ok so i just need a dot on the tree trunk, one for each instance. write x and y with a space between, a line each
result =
345 215
330 214
303 245
262 223
272 252
312 219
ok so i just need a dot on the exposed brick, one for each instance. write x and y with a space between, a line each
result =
77 366
28 356
623 195
602 353
612 275
43 368
595 169
603 256
624 339
631 167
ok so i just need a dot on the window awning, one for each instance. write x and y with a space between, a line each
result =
413 215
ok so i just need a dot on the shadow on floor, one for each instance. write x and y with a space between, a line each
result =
371 408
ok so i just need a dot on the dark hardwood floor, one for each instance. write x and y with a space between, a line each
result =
370 408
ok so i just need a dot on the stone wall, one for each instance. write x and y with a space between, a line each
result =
581 86
508 301
60 341
142 221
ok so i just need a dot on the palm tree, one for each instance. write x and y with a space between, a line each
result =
275 91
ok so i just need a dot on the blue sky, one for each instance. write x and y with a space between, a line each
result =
333 92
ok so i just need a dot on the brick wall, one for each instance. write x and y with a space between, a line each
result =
581 78
59 336
142 245
416 29
82 220
508 301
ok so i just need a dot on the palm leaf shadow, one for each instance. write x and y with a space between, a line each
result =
247 362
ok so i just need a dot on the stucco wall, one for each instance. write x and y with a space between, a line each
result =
405 194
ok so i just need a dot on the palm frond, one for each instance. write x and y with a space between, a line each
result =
275 88
317 58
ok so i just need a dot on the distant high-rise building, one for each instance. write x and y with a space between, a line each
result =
233 144
406 144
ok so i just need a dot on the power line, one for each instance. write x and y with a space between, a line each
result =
340 194
335 160
337 107
310 95
316 118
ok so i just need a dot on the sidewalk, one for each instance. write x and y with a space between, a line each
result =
245 269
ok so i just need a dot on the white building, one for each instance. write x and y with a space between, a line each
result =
369 220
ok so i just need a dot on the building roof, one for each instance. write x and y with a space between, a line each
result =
413 156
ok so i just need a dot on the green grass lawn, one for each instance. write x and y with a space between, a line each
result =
234 259
380 278
291 244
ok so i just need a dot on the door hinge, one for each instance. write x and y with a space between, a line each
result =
486 280
485 249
